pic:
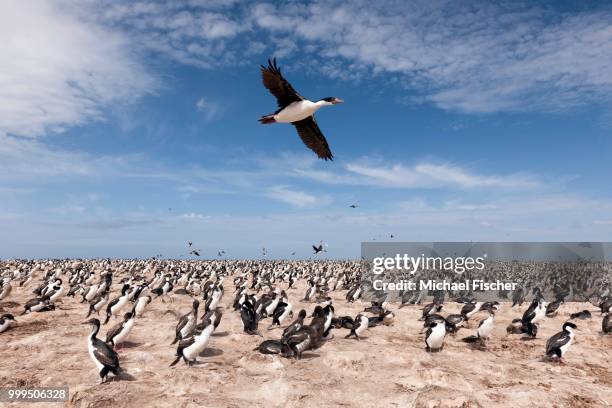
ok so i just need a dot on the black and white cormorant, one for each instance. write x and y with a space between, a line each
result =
582 315
295 325
297 110
434 337
115 305
431 309
39 304
120 331
101 353
97 303
301 340
557 345
282 311
249 317
187 322
140 304
360 324
274 347
534 314
6 322
190 348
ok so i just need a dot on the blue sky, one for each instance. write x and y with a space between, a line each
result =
128 129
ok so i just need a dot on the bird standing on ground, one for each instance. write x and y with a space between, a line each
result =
120 331
297 110
101 353
187 322
557 345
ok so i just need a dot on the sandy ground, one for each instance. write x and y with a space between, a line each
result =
387 368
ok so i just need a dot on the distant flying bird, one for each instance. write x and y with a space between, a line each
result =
297 110
391 235
319 248
293 253
190 243
221 253
353 206
194 252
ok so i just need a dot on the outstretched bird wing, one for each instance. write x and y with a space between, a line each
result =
278 86
313 138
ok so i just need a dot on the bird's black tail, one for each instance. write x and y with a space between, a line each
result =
267 119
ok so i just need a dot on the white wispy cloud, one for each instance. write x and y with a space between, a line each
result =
420 175
299 199
30 160
59 70
192 216
199 34
65 62
210 109
483 58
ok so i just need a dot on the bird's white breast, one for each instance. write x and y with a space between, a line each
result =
362 326
436 338
91 292
124 333
285 313
540 313
566 345
485 329
272 305
215 300
37 307
119 305
90 348
5 325
140 306
296 111
200 343
58 294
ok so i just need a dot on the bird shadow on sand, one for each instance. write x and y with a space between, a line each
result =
309 356
8 305
478 347
220 334
129 345
211 352
32 327
122 376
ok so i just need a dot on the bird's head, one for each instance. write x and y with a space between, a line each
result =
92 322
331 100
569 327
